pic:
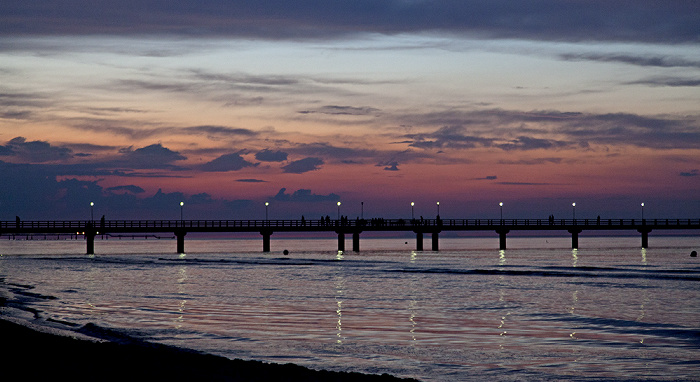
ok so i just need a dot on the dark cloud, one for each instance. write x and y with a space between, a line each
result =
529 143
21 115
220 130
271 156
120 127
534 129
389 166
694 172
342 110
34 151
251 180
303 165
454 137
532 161
150 157
129 189
228 162
303 195
330 151
639 60
667 81
577 20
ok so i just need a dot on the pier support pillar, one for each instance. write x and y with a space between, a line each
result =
180 235
90 236
266 240
436 236
645 236
574 238
419 241
502 238
356 242
341 241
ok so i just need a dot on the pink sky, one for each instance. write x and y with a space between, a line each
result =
224 121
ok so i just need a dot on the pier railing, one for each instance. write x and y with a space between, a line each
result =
322 224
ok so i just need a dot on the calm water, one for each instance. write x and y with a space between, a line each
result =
538 311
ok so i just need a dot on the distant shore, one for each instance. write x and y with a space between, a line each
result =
39 355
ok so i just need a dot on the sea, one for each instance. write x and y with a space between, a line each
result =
538 310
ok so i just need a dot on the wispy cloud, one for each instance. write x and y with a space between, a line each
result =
639 60
667 81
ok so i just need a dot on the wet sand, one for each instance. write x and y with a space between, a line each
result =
39 355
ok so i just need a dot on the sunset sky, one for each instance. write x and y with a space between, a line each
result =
226 105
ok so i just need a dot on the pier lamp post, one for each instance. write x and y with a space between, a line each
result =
501 205
266 205
573 205
642 211
338 210
438 208
412 210
92 216
362 210
182 205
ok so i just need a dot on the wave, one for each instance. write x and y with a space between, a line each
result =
588 272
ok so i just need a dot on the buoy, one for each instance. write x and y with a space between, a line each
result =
285 252
693 254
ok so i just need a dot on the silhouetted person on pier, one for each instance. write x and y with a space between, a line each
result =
102 221
598 220
303 221
17 221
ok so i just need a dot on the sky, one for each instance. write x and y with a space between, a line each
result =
137 106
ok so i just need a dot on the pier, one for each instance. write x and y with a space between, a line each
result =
420 227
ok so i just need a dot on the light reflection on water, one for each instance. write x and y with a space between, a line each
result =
455 314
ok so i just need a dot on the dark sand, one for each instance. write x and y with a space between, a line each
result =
36 355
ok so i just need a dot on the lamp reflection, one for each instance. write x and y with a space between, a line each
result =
181 282
502 296
412 299
645 294
574 257
339 293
